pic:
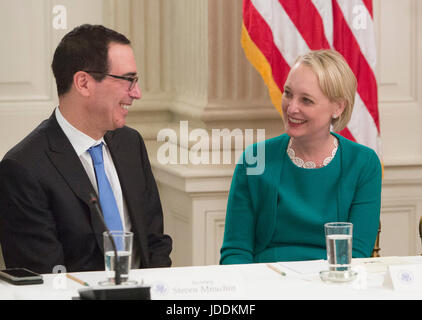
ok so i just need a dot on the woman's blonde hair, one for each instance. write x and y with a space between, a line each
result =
336 80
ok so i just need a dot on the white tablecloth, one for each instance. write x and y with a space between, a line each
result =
252 282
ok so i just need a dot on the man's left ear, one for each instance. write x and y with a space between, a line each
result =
82 83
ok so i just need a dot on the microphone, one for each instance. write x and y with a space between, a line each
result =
136 292
94 201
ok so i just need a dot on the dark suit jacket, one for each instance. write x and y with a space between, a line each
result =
45 215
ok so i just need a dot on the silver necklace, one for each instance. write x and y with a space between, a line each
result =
310 164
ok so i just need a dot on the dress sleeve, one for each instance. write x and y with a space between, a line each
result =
365 209
239 234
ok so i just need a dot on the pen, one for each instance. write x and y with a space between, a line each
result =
276 269
77 280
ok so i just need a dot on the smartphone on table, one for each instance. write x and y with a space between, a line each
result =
20 276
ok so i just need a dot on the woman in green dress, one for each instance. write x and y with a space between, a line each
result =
312 175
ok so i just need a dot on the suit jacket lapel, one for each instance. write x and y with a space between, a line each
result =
124 164
67 162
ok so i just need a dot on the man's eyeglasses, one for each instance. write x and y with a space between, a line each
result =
132 79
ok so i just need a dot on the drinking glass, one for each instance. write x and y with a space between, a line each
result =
123 241
339 243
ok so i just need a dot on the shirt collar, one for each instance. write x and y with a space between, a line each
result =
79 140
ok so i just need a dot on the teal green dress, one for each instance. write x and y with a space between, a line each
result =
279 214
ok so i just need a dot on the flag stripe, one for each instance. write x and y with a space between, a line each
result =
261 64
325 10
346 44
347 134
286 37
310 26
362 125
362 27
368 5
261 35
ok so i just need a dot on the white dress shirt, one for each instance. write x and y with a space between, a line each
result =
81 143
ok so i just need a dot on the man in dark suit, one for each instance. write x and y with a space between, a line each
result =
46 217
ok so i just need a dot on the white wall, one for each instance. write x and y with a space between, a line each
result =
27 87
399 74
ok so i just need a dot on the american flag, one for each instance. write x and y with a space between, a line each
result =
276 32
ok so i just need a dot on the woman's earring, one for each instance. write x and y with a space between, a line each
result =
335 116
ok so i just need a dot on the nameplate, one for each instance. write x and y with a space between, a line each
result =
405 277
195 285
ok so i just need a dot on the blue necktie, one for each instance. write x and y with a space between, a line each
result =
107 200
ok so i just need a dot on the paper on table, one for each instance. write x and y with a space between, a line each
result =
406 277
371 265
305 267
375 265
196 283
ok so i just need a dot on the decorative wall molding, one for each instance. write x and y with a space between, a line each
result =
397 83
214 231
23 76
398 240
